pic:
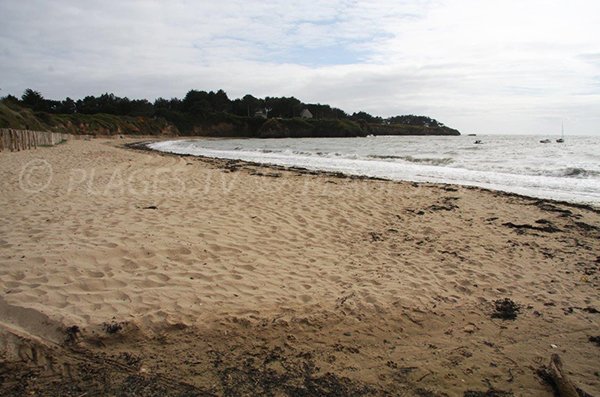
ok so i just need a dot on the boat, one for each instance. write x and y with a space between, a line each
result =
562 134
545 141
478 142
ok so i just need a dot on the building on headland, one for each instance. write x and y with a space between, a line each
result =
306 114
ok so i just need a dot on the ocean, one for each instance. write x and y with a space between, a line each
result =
567 171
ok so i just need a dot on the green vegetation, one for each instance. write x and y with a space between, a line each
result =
408 129
203 113
13 115
317 128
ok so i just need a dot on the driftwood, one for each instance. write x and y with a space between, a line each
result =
556 376
564 385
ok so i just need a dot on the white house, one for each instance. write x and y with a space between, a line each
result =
306 114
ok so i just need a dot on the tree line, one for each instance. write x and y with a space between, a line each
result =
200 105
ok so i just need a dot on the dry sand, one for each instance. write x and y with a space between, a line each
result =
212 277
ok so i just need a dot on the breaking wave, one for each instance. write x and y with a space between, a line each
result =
518 164
576 172
418 160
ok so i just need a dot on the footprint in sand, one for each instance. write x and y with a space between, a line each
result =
110 245
95 274
158 277
179 251
306 298
19 276
197 276
129 264
37 260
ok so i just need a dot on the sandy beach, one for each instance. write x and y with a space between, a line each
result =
129 272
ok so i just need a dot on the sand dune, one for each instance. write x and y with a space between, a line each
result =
121 236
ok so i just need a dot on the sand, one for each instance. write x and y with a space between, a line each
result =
201 276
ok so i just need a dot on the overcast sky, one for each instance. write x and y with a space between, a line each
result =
482 66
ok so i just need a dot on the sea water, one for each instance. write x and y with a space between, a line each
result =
520 164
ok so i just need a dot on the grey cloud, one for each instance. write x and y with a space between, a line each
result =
417 56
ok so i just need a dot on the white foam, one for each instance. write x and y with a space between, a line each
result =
506 164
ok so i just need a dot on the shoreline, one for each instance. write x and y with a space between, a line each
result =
256 279
143 146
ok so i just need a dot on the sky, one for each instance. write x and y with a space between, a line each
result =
481 66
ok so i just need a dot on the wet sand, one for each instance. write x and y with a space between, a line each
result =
137 273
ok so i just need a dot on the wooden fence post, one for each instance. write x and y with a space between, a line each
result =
17 140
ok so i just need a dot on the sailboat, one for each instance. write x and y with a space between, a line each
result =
562 133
